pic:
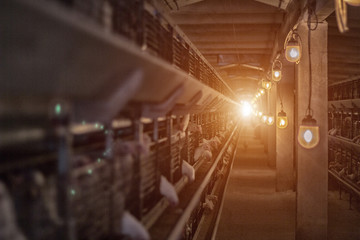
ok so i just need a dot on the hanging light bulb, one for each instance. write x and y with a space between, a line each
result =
264 118
266 84
270 120
260 114
309 134
262 91
276 71
281 120
293 49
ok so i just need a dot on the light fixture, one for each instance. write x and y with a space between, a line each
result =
341 13
293 48
263 118
266 84
270 120
281 120
276 71
262 91
309 134
260 114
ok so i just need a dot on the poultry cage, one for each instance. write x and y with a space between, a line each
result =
344 135
108 135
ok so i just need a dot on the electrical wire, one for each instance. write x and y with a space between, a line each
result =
279 94
176 4
311 12
168 4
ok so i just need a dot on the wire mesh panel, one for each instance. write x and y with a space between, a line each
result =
165 42
356 89
175 166
180 53
346 90
127 19
149 181
152 32
346 124
92 8
34 200
90 197
194 68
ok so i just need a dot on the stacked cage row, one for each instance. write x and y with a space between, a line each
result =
77 181
143 24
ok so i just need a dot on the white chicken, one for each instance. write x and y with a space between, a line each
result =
203 151
8 227
184 123
188 171
168 191
193 127
131 227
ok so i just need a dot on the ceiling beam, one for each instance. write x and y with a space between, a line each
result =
178 4
230 37
245 18
233 45
342 41
341 58
229 27
207 51
216 6
275 3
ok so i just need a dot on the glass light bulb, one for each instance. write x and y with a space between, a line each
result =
276 74
264 118
282 122
308 136
294 53
270 120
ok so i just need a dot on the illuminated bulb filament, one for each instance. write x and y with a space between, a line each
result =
308 136
277 74
293 53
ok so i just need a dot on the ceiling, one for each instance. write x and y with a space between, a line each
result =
344 49
240 38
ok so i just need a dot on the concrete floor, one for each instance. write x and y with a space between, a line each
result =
253 210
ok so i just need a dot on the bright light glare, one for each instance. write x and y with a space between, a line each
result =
264 118
308 136
282 122
276 74
260 114
262 91
293 53
246 109
270 120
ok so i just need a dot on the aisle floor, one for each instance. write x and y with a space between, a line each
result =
252 208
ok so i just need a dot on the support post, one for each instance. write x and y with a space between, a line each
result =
272 128
285 138
312 164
